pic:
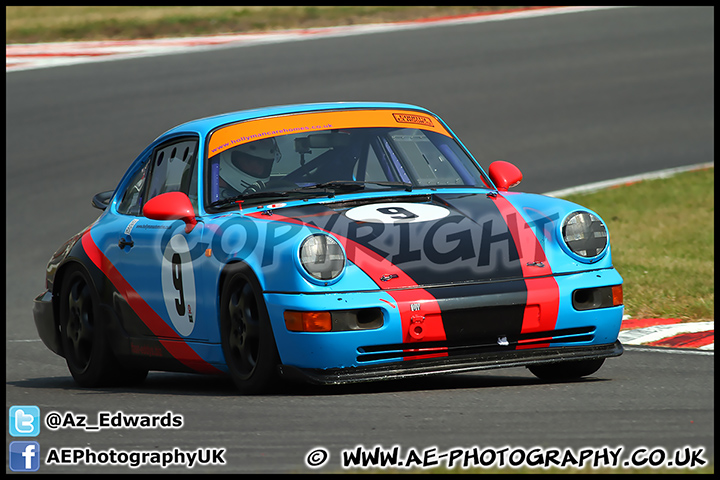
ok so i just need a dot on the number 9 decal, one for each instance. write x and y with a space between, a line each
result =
397 213
178 285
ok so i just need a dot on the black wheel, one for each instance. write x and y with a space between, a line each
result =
567 370
85 347
247 339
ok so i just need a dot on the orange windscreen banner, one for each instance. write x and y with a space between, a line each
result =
252 130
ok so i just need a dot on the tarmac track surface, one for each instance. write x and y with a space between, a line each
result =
570 99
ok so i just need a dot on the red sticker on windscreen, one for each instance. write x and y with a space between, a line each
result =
415 119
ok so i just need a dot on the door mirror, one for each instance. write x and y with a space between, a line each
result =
102 199
171 206
504 175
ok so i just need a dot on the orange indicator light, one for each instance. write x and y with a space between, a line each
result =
308 321
617 293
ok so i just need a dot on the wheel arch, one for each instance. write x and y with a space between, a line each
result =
229 267
59 278
57 285
268 355
232 267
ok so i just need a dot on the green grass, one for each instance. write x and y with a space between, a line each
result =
68 23
662 237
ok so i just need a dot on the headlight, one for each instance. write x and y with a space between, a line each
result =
585 235
322 257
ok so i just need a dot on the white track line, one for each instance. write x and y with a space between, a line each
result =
593 187
681 351
20 57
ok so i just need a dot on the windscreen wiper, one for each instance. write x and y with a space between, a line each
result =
269 194
324 188
353 185
249 196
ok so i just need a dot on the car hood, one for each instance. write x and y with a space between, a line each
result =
444 238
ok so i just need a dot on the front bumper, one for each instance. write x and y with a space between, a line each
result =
45 322
481 322
445 365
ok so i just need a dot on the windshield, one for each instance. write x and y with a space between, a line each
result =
337 160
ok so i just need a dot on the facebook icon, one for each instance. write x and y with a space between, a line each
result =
24 456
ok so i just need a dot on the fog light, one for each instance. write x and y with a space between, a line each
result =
598 297
308 321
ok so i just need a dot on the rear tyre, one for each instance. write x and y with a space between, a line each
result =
247 339
567 370
82 334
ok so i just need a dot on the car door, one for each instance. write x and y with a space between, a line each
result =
157 257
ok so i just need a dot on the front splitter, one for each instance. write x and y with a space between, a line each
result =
445 365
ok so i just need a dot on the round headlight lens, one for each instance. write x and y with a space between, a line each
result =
322 257
584 234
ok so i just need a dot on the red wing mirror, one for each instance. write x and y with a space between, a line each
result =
504 175
171 206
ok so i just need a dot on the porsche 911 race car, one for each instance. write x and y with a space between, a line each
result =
330 243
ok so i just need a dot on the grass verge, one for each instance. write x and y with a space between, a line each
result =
71 23
662 237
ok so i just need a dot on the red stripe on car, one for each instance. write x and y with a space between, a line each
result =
172 342
543 297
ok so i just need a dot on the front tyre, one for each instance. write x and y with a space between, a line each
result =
567 370
247 339
82 334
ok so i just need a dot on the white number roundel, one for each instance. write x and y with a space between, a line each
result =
178 285
397 212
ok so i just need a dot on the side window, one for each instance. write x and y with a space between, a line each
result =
132 200
173 169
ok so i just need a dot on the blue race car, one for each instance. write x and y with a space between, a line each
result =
331 243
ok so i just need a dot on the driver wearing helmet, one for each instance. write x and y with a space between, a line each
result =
247 167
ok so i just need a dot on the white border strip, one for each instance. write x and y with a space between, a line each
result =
593 187
682 351
654 333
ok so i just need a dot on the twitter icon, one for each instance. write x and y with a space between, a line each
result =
24 421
